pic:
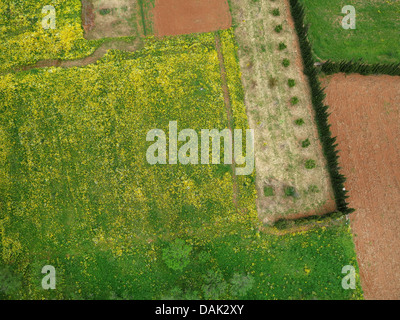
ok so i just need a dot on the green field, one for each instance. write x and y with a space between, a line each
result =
77 193
375 39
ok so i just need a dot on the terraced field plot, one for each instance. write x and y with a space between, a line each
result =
286 188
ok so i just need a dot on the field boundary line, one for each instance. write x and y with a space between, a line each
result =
307 226
321 110
228 108
330 67
97 55
143 18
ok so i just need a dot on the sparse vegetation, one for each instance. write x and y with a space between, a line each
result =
305 143
291 83
271 111
269 191
276 12
313 189
272 82
290 191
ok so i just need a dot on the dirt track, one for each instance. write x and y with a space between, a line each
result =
175 17
97 55
366 119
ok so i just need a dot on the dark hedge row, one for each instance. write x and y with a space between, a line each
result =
360 67
321 110
283 224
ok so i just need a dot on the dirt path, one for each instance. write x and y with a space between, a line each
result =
228 108
366 120
97 55
175 17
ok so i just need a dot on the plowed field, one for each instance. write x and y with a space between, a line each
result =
366 119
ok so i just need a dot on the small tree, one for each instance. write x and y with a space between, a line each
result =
9 282
310 164
276 12
306 143
291 83
215 286
177 255
290 191
241 284
278 28
177 293
282 46
294 101
286 62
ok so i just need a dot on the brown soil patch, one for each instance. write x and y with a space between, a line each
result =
109 18
175 17
366 119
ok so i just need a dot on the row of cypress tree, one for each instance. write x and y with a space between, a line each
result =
321 110
360 67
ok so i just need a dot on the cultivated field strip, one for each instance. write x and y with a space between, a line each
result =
279 155
369 157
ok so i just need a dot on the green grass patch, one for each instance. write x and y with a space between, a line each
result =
269 191
146 7
375 39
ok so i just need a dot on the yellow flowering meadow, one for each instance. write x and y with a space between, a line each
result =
77 193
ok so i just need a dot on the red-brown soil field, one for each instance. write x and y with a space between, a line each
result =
365 117
175 17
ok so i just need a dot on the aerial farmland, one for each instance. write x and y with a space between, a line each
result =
199 150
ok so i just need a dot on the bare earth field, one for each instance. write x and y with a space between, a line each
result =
176 17
366 120
109 18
